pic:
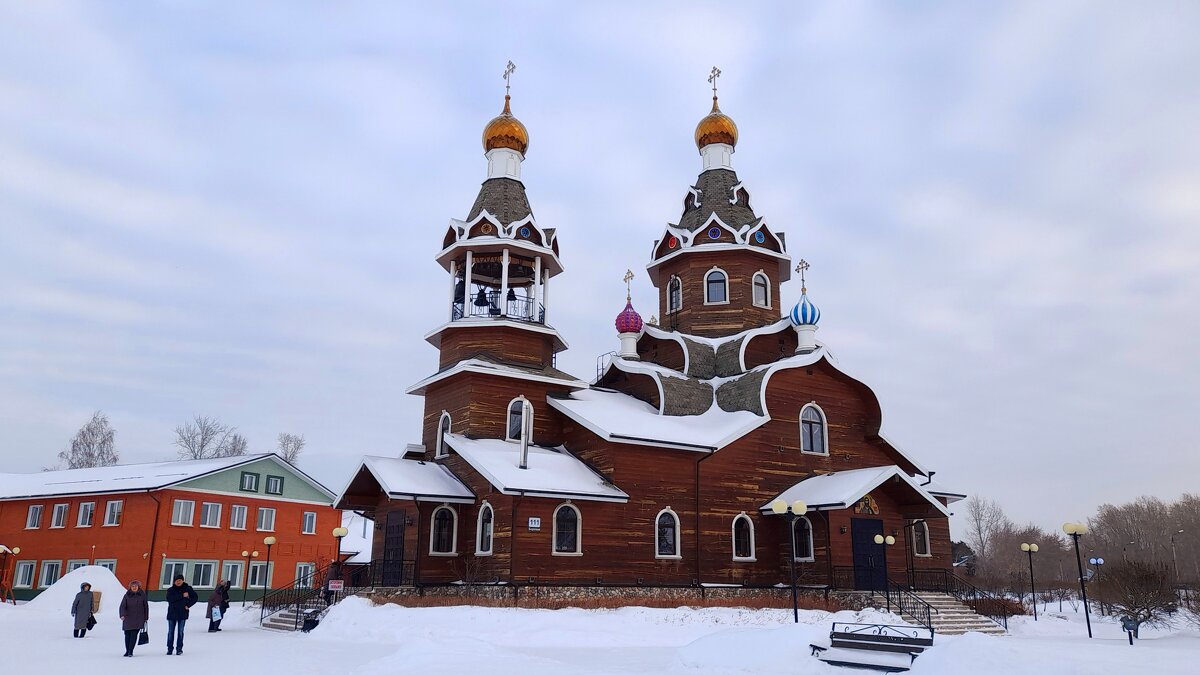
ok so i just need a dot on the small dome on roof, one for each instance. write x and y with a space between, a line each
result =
716 127
805 313
505 131
629 321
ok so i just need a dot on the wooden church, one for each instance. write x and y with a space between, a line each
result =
719 441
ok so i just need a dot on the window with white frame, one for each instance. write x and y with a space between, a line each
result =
308 523
73 565
249 482
182 512
87 514
203 573
440 449
666 534
274 485
170 570
51 571
237 517
517 408
444 531
266 520
231 571
762 290
921 539
58 517
113 511
484 530
109 564
33 517
743 538
674 295
716 287
23 576
814 437
304 575
802 537
260 575
567 522
210 514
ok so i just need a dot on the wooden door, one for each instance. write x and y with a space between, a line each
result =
393 549
870 559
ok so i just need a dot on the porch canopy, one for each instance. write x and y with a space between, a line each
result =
401 479
843 489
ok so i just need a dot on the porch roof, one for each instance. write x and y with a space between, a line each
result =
841 489
551 472
412 479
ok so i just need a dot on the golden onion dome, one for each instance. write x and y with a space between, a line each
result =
505 131
716 127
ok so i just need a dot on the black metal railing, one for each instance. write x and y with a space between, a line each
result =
305 593
904 602
980 601
378 574
489 305
843 578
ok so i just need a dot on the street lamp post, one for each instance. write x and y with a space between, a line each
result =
890 541
793 511
268 542
1074 531
1030 549
246 586
338 533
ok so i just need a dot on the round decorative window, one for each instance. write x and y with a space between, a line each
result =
714 233
673 243
524 231
486 229
760 237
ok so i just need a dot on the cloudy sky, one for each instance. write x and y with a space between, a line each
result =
231 209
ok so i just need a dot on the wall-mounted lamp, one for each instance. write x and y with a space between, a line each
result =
842 529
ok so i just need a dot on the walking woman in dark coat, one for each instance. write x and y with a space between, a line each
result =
180 598
217 602
135 613
81 609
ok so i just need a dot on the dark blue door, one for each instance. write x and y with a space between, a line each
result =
870 563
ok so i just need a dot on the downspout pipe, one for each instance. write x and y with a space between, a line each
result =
153 538
699 579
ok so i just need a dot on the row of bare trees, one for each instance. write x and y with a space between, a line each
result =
202 437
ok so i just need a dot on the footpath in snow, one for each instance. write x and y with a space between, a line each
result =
362 639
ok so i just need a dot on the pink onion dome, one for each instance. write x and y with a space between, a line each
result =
629 321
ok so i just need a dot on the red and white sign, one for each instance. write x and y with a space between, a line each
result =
337 585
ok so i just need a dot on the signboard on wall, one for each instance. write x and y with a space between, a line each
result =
337 585
535 524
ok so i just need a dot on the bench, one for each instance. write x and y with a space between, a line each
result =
875 646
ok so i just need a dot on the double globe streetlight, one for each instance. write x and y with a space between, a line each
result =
1075 531
247 555
779 507
1030 549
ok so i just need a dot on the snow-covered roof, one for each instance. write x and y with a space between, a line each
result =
415 479
842 489
550 472
123 477
358 537
938 490
487 367
624 419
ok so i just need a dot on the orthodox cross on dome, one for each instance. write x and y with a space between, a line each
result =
801 268
712 77
628 279
508 71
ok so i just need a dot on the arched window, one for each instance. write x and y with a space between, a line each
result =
512 430
716 287
440 449
743 538
674 295
483 534
921 539
813 434
803 534
666 534
566 530
443 532
762 290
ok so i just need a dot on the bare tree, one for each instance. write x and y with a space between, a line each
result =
93 445
289 447
205 437
1137 590
984 519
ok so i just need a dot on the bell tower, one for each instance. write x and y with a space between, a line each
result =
718 271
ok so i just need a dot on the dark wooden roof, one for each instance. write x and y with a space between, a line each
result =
504 198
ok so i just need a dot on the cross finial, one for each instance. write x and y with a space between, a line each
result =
508 71
802 267
712 77
628 279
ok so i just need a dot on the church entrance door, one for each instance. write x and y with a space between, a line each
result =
393 549
870 561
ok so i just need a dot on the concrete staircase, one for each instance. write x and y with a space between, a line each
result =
284 620
956 618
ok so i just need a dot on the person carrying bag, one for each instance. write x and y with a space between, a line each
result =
135 614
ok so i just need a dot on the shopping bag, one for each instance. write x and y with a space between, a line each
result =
216 613
143 637
91 622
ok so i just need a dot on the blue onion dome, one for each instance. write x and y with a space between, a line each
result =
805 313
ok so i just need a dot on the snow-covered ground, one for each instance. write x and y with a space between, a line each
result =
363 639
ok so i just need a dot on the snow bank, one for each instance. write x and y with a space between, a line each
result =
58 597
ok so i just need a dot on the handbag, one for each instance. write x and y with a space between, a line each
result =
143 637
91 622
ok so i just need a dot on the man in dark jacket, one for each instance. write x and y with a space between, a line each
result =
180 598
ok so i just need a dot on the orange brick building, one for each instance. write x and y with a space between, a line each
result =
153 521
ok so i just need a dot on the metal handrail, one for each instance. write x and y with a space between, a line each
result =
909 604
517 308
980 601
305 592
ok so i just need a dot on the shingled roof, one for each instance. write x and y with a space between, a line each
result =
716 190
504 198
